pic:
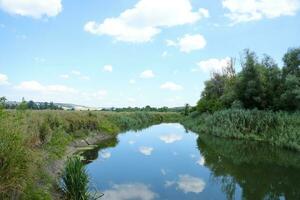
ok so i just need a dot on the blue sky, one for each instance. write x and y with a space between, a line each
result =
133 52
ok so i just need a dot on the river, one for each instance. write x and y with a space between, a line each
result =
168 162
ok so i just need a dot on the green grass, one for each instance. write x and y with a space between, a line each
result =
75 180
277 128
30 140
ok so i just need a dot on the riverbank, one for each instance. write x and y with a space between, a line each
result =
35 144
280 129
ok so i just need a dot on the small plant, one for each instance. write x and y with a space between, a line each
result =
75 181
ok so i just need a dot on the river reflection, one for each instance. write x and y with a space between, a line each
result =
167 162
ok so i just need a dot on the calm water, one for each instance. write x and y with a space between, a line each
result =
167 162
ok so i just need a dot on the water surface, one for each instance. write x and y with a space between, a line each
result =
168 162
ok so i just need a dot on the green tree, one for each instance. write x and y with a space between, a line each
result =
291 62
186 109
23 105
249 88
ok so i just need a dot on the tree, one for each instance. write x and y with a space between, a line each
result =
291 62
23 105
32 105
186 109
290 98
270 75
249 88
2 101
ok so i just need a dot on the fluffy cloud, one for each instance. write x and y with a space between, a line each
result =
75 72
139 24
3 79
64 76
147 74
188 43
129 191
250 10
146 150
187 184
132 81
100 94
170 138
32 8
164 54
107 68
201 161
39 60
105 154
171 86
213 65
35 86
87 78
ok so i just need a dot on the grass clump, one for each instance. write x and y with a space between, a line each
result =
75 181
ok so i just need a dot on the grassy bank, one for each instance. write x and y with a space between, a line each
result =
277 128
30 140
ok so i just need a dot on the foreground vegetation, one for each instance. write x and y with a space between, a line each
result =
30 140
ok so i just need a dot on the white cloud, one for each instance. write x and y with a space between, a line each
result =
87 78
147 74
107 68
187 183
129 191
131 100
164 54
251 10
146 150
171 86
213 65
105 154
170 138
64 76
39 60
22 37
100 94
139 24
3 79
32 8
131 142
171 43
35 86
188 43
75 72
163 172
132 81
201 161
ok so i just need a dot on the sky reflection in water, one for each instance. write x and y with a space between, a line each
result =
166 162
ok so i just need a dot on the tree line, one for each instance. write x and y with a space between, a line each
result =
28 105
261 84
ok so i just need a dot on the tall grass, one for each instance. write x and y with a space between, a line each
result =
277 128
75 181
30 140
